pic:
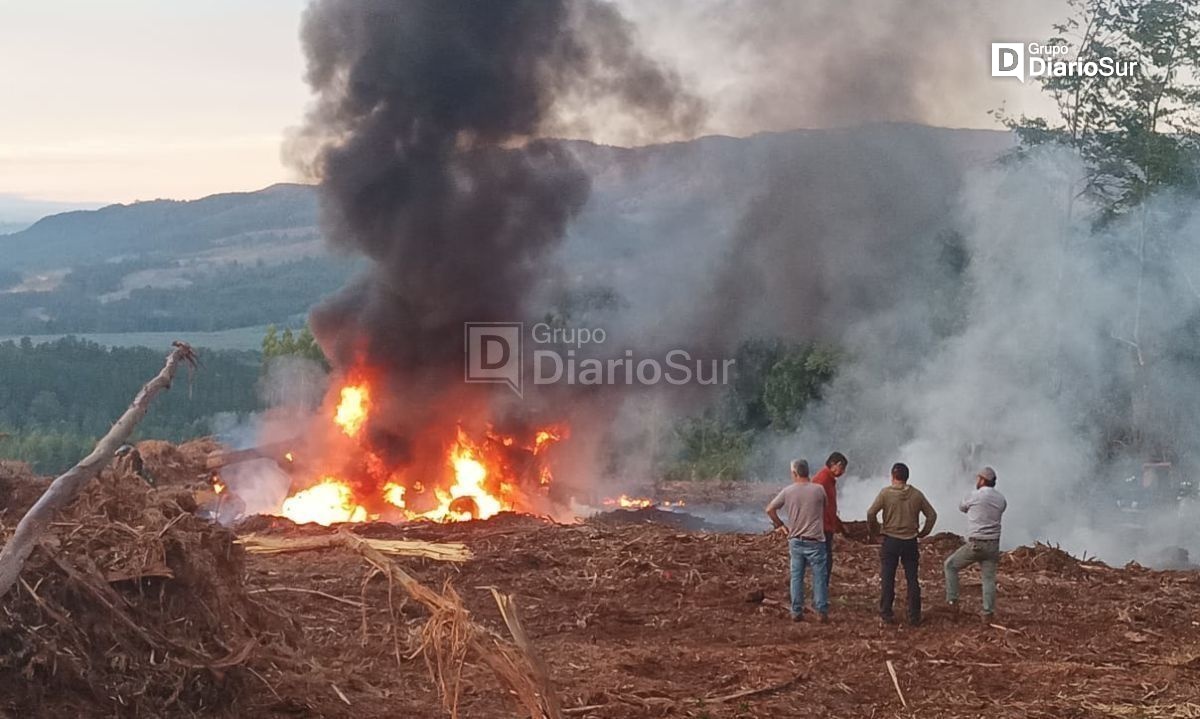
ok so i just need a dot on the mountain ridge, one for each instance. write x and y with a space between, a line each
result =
674 208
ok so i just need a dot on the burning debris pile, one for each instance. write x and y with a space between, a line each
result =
133 604
426 139
351 481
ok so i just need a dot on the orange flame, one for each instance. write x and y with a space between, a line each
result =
545 437
627 502
468 497
469 476
328 502
394 494
352 409
483 475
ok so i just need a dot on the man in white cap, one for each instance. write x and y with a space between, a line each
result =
983 508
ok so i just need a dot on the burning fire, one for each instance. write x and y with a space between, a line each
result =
627 502
481 476
327 502
352 410
469 496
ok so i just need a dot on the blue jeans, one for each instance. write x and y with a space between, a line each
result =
803 554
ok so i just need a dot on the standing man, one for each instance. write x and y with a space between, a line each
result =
902 506
804 505
827 479
983 508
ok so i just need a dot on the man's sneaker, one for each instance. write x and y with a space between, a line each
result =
887 621
914 621
824 618
988 618
797 617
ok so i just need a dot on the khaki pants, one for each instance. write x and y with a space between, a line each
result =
987 553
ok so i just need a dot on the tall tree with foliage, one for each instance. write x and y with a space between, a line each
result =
1136 134
1137 137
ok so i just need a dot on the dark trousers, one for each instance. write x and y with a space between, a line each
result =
893 552
828 558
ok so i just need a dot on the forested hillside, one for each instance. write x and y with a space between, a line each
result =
56 398
91 298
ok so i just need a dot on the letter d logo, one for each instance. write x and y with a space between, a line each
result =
493 353
1008 60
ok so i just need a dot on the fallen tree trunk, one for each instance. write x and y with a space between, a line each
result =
63 490
440 551
276 451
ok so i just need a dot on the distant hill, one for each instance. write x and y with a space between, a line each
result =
166 229
18 213
251 258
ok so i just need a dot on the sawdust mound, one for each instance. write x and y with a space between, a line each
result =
133 605
194 452
19 489
1044 558
171 465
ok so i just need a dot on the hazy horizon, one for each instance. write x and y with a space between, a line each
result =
137 100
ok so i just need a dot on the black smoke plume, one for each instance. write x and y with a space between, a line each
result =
427 138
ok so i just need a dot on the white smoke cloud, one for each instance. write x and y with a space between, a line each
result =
1031 383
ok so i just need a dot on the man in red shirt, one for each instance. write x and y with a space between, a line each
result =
827 478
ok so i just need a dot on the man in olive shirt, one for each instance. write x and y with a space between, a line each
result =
902 506
803 504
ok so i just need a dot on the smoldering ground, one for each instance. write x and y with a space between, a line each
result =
1040 381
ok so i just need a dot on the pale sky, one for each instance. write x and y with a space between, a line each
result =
124 100
121 100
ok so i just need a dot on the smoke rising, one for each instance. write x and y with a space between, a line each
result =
425 138
778 65
984 318
984 315
1039 380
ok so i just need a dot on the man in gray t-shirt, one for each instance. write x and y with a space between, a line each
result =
803 503
984 507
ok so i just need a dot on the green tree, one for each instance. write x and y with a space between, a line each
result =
1136 133
1136 136
45 408
794 382
303 345
710 449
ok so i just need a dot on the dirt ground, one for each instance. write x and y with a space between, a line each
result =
134 608
637 619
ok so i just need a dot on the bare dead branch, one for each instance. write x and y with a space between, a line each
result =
63 490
